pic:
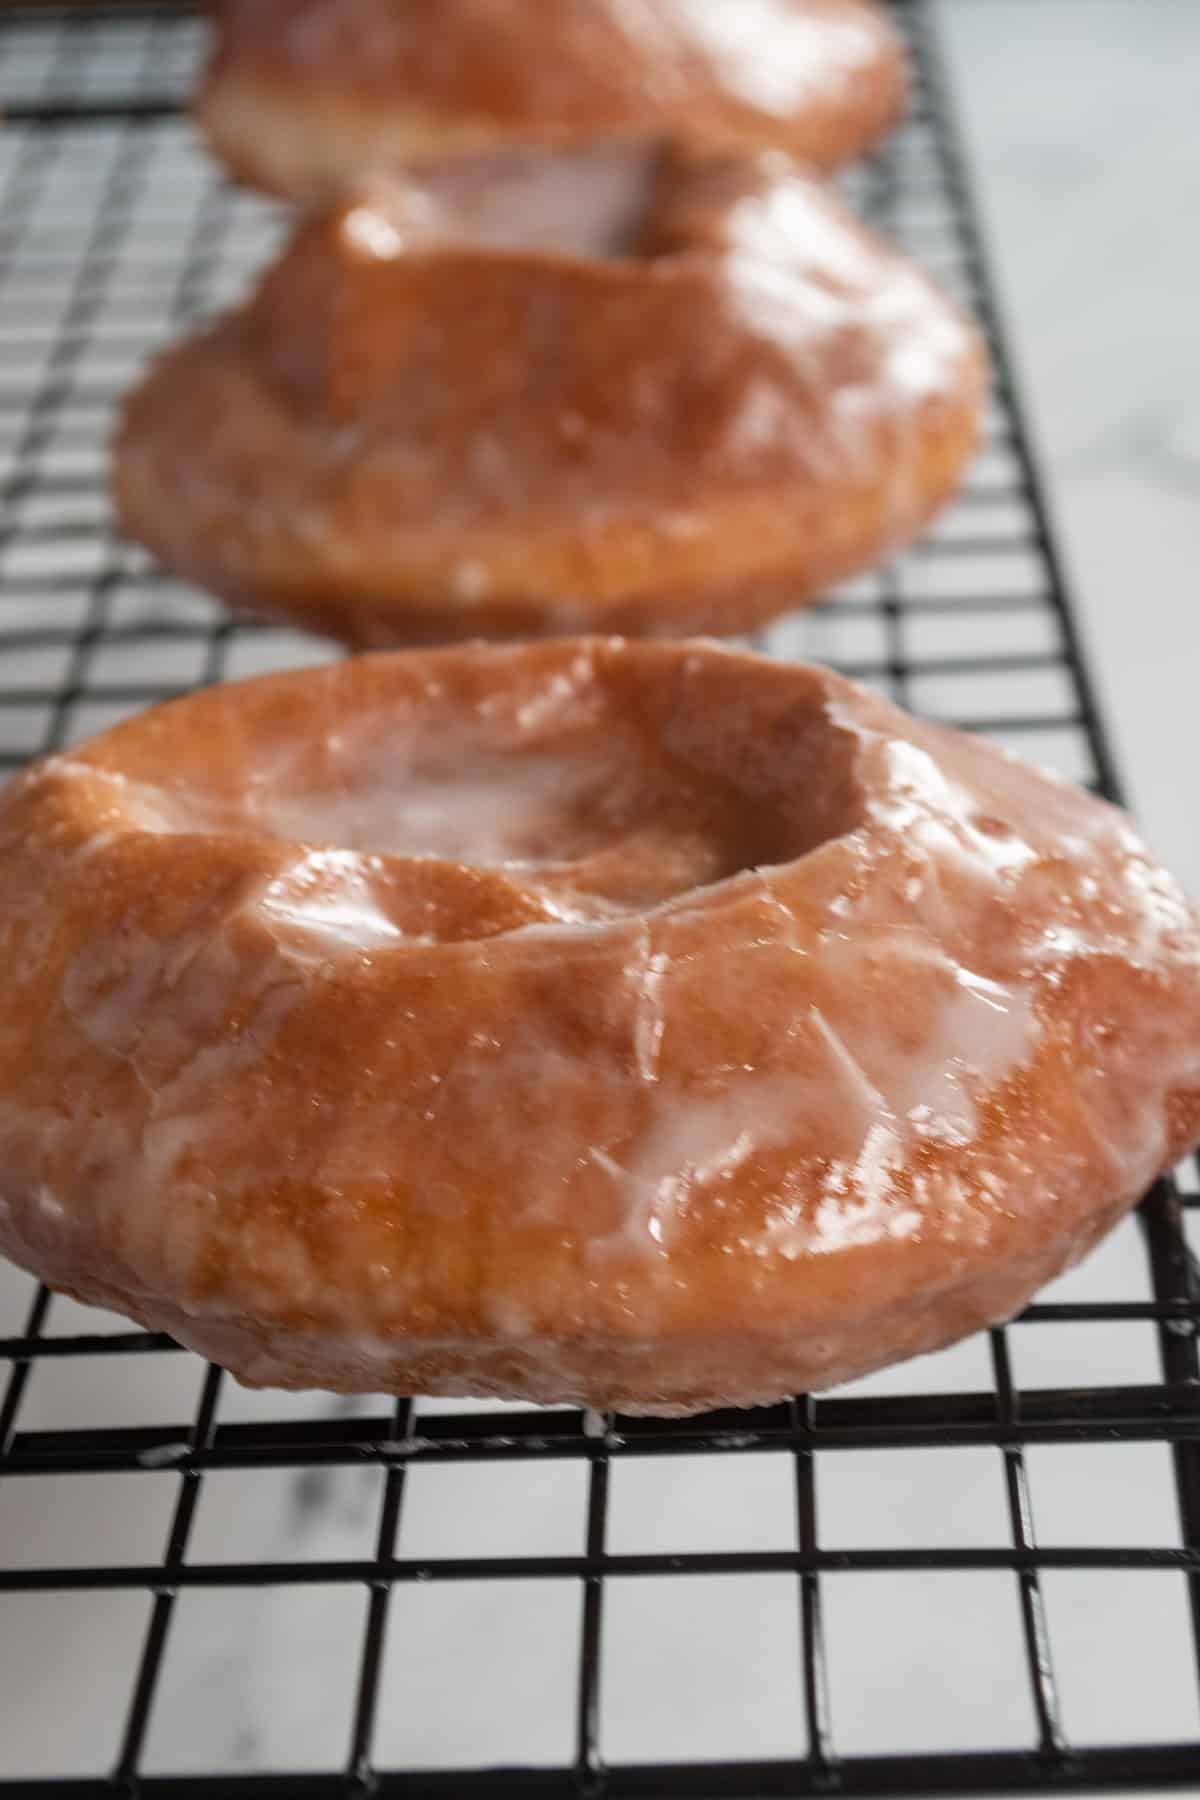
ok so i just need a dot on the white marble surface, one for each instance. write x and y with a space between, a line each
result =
1081 116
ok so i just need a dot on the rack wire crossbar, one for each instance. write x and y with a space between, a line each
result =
115 234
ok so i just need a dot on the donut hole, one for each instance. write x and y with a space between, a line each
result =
374 281
590 200
455 804
591 779
598 781
618 821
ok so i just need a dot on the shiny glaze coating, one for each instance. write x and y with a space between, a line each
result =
633 1025
631 387
304 93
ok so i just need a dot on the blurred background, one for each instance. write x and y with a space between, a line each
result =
1081 120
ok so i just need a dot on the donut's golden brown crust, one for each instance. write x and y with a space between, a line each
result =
431 423
301 94
641 1026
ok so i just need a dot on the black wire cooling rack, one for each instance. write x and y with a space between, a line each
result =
207 1592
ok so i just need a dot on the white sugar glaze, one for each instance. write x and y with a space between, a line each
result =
469 810
326 901
808 56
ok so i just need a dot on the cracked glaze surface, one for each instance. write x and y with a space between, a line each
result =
303 91
630 387
655 1026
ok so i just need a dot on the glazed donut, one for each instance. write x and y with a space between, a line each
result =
630 387
643 1026
304 93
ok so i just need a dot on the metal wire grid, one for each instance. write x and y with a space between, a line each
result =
114 235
